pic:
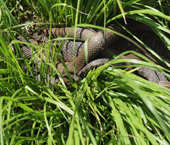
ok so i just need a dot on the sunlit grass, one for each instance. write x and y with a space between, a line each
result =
109 105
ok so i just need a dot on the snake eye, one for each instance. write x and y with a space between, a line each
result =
13 48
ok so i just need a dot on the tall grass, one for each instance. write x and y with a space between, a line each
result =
108 106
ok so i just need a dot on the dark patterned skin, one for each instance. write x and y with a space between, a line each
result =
67 53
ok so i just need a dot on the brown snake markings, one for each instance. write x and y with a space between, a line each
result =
96 45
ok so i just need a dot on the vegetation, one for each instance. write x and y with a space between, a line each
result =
108 106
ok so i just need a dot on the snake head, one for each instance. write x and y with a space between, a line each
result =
67 73
71 81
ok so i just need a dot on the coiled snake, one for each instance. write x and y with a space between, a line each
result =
98 43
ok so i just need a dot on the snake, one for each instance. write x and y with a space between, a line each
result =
97 44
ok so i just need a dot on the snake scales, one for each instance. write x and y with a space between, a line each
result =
96 45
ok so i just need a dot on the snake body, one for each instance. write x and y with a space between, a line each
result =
98 42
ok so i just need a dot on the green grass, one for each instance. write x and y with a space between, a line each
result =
109 106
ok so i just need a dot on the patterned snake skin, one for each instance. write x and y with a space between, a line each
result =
96 49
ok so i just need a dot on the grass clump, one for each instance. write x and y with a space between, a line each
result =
108 106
